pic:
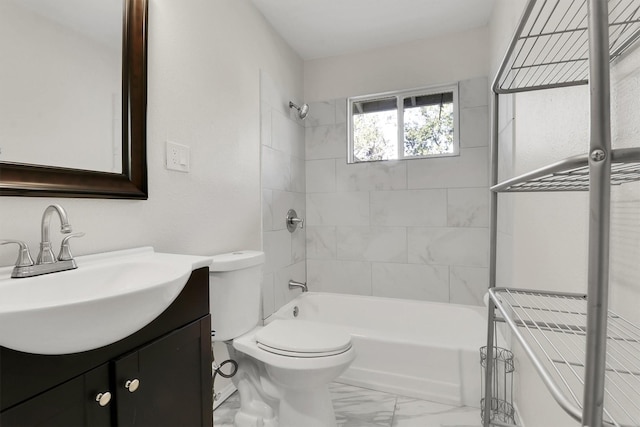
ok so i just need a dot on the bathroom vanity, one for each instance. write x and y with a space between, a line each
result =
157 376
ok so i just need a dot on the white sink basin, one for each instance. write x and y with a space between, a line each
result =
107 298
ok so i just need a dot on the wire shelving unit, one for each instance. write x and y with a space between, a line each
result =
552 326
551 46
587 356
572 174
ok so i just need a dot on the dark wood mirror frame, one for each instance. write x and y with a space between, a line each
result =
31 180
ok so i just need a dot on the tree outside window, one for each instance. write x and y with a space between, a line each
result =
428 128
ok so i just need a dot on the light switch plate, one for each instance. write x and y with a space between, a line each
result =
178 157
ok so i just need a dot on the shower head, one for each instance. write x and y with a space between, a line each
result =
302 111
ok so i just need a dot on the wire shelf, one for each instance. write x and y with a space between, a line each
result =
572 174
551 327
550 47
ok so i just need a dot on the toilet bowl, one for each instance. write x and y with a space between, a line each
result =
284 368
299 367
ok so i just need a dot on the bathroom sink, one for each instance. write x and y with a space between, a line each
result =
107 298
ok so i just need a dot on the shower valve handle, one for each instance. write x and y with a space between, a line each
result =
293 221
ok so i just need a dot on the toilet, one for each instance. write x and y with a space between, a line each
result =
284 368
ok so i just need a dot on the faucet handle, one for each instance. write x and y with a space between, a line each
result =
24 257
292 221
65 249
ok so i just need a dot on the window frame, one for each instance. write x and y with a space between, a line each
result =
400 95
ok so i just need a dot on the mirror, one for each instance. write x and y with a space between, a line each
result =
73 103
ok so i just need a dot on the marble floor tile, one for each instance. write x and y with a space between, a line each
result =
360 407
223 414
419 413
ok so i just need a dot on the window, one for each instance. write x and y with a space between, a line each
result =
428 127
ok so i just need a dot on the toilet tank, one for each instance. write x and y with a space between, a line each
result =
235 293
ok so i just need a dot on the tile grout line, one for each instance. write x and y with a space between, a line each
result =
393 416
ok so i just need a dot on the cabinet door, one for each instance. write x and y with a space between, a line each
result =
70 404
173 386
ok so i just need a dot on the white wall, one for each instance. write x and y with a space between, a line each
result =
549 229
420 63
625 206
504 17
204 91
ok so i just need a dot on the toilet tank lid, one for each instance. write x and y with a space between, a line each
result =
236 260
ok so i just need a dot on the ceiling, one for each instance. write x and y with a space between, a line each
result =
322 28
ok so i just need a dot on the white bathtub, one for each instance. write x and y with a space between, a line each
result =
420 349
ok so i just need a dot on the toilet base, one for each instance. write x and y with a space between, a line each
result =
246 420
256 404
253 412
308 408
284 391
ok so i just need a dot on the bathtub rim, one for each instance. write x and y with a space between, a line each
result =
303 295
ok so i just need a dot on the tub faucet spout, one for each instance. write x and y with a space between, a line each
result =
293 285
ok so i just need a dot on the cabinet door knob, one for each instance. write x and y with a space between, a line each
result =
103 399
132 385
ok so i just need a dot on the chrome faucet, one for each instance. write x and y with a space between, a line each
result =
46 254
46 261
293 285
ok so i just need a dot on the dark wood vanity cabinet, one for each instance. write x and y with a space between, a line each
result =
159 376
170 392
70 404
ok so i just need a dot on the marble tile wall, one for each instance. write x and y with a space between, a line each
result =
282 137
414 229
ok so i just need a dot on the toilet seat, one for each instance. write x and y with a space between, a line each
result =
302 338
